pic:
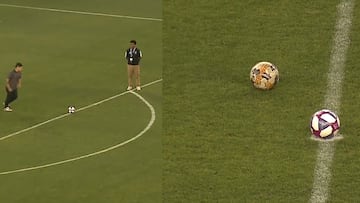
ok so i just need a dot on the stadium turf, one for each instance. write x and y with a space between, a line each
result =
72 59
225 141
346 167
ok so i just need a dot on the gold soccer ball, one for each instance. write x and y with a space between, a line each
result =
264 75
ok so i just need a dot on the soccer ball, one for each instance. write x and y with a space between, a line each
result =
71 109
264 75
324 124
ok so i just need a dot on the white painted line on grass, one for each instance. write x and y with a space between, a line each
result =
149 125
335 138
325 154
81 12
67 114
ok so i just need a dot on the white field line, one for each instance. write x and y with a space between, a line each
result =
67 114
80 12
325 154
149 125
335 138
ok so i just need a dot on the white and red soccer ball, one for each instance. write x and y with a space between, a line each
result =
324 124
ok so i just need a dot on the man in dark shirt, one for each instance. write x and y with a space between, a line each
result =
133 56
13 82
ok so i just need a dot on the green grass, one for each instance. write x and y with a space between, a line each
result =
346 167
77 60
225 141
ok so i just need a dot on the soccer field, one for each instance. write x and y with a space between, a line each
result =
225 141
212 137
73 54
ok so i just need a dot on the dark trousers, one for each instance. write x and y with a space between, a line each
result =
10 96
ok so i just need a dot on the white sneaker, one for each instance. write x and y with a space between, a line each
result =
138 88
129 88
8 109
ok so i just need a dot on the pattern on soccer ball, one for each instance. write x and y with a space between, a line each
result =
264 75
71 109
324 124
